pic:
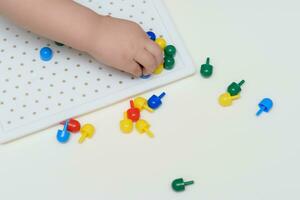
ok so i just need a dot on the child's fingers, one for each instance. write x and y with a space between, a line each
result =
135 69
156 51
147 60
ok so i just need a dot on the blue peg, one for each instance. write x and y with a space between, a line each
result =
146 76
46 54
155 101
63 135
151 35
264 106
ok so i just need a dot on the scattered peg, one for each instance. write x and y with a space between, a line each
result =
206 69
264 106
235 88
87 131
133 113
141 103
226 100
73 126
179 184
126 125
143 127
63 136
155 101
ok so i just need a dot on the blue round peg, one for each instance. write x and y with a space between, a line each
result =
146 76
155 101
46 54
151 35
264 106
63 135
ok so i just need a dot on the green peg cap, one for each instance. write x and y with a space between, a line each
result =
178 185
235 88
206 69
169 62
170 51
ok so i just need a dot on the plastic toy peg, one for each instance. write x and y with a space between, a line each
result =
63 136
59 44
155 101
87 131
133 113
146 76
159 69
170 50
264 106
141 103
226 100
206 69
235 88
179 184
151 35
161 42
126 125
46 54
143 127
73 126
169 62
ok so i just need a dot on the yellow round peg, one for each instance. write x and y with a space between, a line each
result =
141 103
161 42
226 100
143 127
159 69
87 131
126 125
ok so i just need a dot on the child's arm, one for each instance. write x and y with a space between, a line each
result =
118 43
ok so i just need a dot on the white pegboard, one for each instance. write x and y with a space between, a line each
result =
37 94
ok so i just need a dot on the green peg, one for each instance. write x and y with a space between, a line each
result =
169 62
170 50
59 44
206 69
234 88
179 184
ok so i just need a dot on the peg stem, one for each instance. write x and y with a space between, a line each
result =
207 60
242 82
162 95
189 183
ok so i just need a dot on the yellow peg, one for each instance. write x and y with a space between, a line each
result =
159 69
141 103
143 127
161 42
87 131
226 100
126 124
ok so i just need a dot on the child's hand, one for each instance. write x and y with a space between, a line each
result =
118 43
124 45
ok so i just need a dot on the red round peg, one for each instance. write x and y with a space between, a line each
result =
73 126
133 113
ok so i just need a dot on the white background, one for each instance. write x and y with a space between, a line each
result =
228 152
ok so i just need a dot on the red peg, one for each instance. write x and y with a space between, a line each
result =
133 113
73 126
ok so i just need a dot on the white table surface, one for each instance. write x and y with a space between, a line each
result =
228 152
